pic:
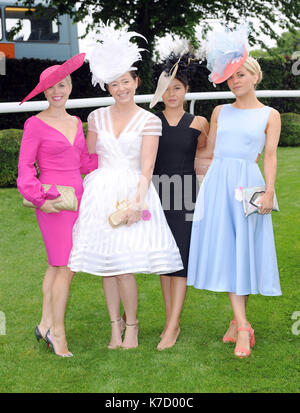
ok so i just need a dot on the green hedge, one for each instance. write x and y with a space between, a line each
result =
290 130
84 125
10 140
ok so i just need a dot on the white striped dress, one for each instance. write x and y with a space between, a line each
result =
144 247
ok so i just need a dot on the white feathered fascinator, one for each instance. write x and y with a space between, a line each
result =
226 50
114 55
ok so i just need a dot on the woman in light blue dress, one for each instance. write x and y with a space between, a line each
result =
230 252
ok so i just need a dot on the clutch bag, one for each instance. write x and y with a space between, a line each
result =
68 200
250 198
115 219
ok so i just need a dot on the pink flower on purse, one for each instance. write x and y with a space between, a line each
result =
146 215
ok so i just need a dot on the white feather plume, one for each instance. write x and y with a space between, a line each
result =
224 46
114 55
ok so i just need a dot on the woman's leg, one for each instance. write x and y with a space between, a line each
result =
231 332
238 303
60 294
46 320
112 296
165 282
178 293
129 296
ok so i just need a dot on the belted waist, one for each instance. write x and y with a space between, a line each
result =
236 158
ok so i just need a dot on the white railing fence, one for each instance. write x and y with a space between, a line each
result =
14 107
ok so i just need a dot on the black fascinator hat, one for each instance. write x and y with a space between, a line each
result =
181 67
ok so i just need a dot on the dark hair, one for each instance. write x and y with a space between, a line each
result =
187 67
183 79
134 76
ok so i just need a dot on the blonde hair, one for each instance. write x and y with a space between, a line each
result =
69 79
253 67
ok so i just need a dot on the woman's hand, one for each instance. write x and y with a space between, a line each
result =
49 205
131 216
265 203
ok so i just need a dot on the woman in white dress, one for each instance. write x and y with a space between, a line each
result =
126 139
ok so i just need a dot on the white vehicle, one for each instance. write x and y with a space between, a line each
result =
38 37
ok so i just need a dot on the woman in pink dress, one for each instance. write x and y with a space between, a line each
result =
56 141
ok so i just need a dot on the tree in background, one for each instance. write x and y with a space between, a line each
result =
156 18
287 45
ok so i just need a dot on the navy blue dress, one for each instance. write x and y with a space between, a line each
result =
175 180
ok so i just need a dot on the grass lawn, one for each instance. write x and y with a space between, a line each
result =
199 362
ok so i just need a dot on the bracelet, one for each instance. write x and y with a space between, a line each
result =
146 215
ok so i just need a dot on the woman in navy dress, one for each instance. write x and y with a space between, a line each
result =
182 148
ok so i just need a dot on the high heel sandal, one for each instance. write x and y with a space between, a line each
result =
50 343
251 342
38 334
122 328
228 339
131 325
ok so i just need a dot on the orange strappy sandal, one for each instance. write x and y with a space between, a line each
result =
251 339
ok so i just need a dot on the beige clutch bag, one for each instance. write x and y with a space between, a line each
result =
68 200
115 219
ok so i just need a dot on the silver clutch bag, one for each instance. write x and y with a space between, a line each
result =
68 198
250 198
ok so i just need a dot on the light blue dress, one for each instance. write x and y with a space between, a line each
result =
228 251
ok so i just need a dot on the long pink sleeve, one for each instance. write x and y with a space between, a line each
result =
88 162
28 184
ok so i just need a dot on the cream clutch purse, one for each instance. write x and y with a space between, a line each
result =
115 219
68 200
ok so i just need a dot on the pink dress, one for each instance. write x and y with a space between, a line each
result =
59 163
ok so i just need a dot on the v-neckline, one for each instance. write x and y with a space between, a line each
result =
178 123
126 126
52 127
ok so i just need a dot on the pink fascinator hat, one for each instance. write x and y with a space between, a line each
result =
226 51
54 74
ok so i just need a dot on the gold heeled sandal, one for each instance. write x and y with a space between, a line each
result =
131 325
